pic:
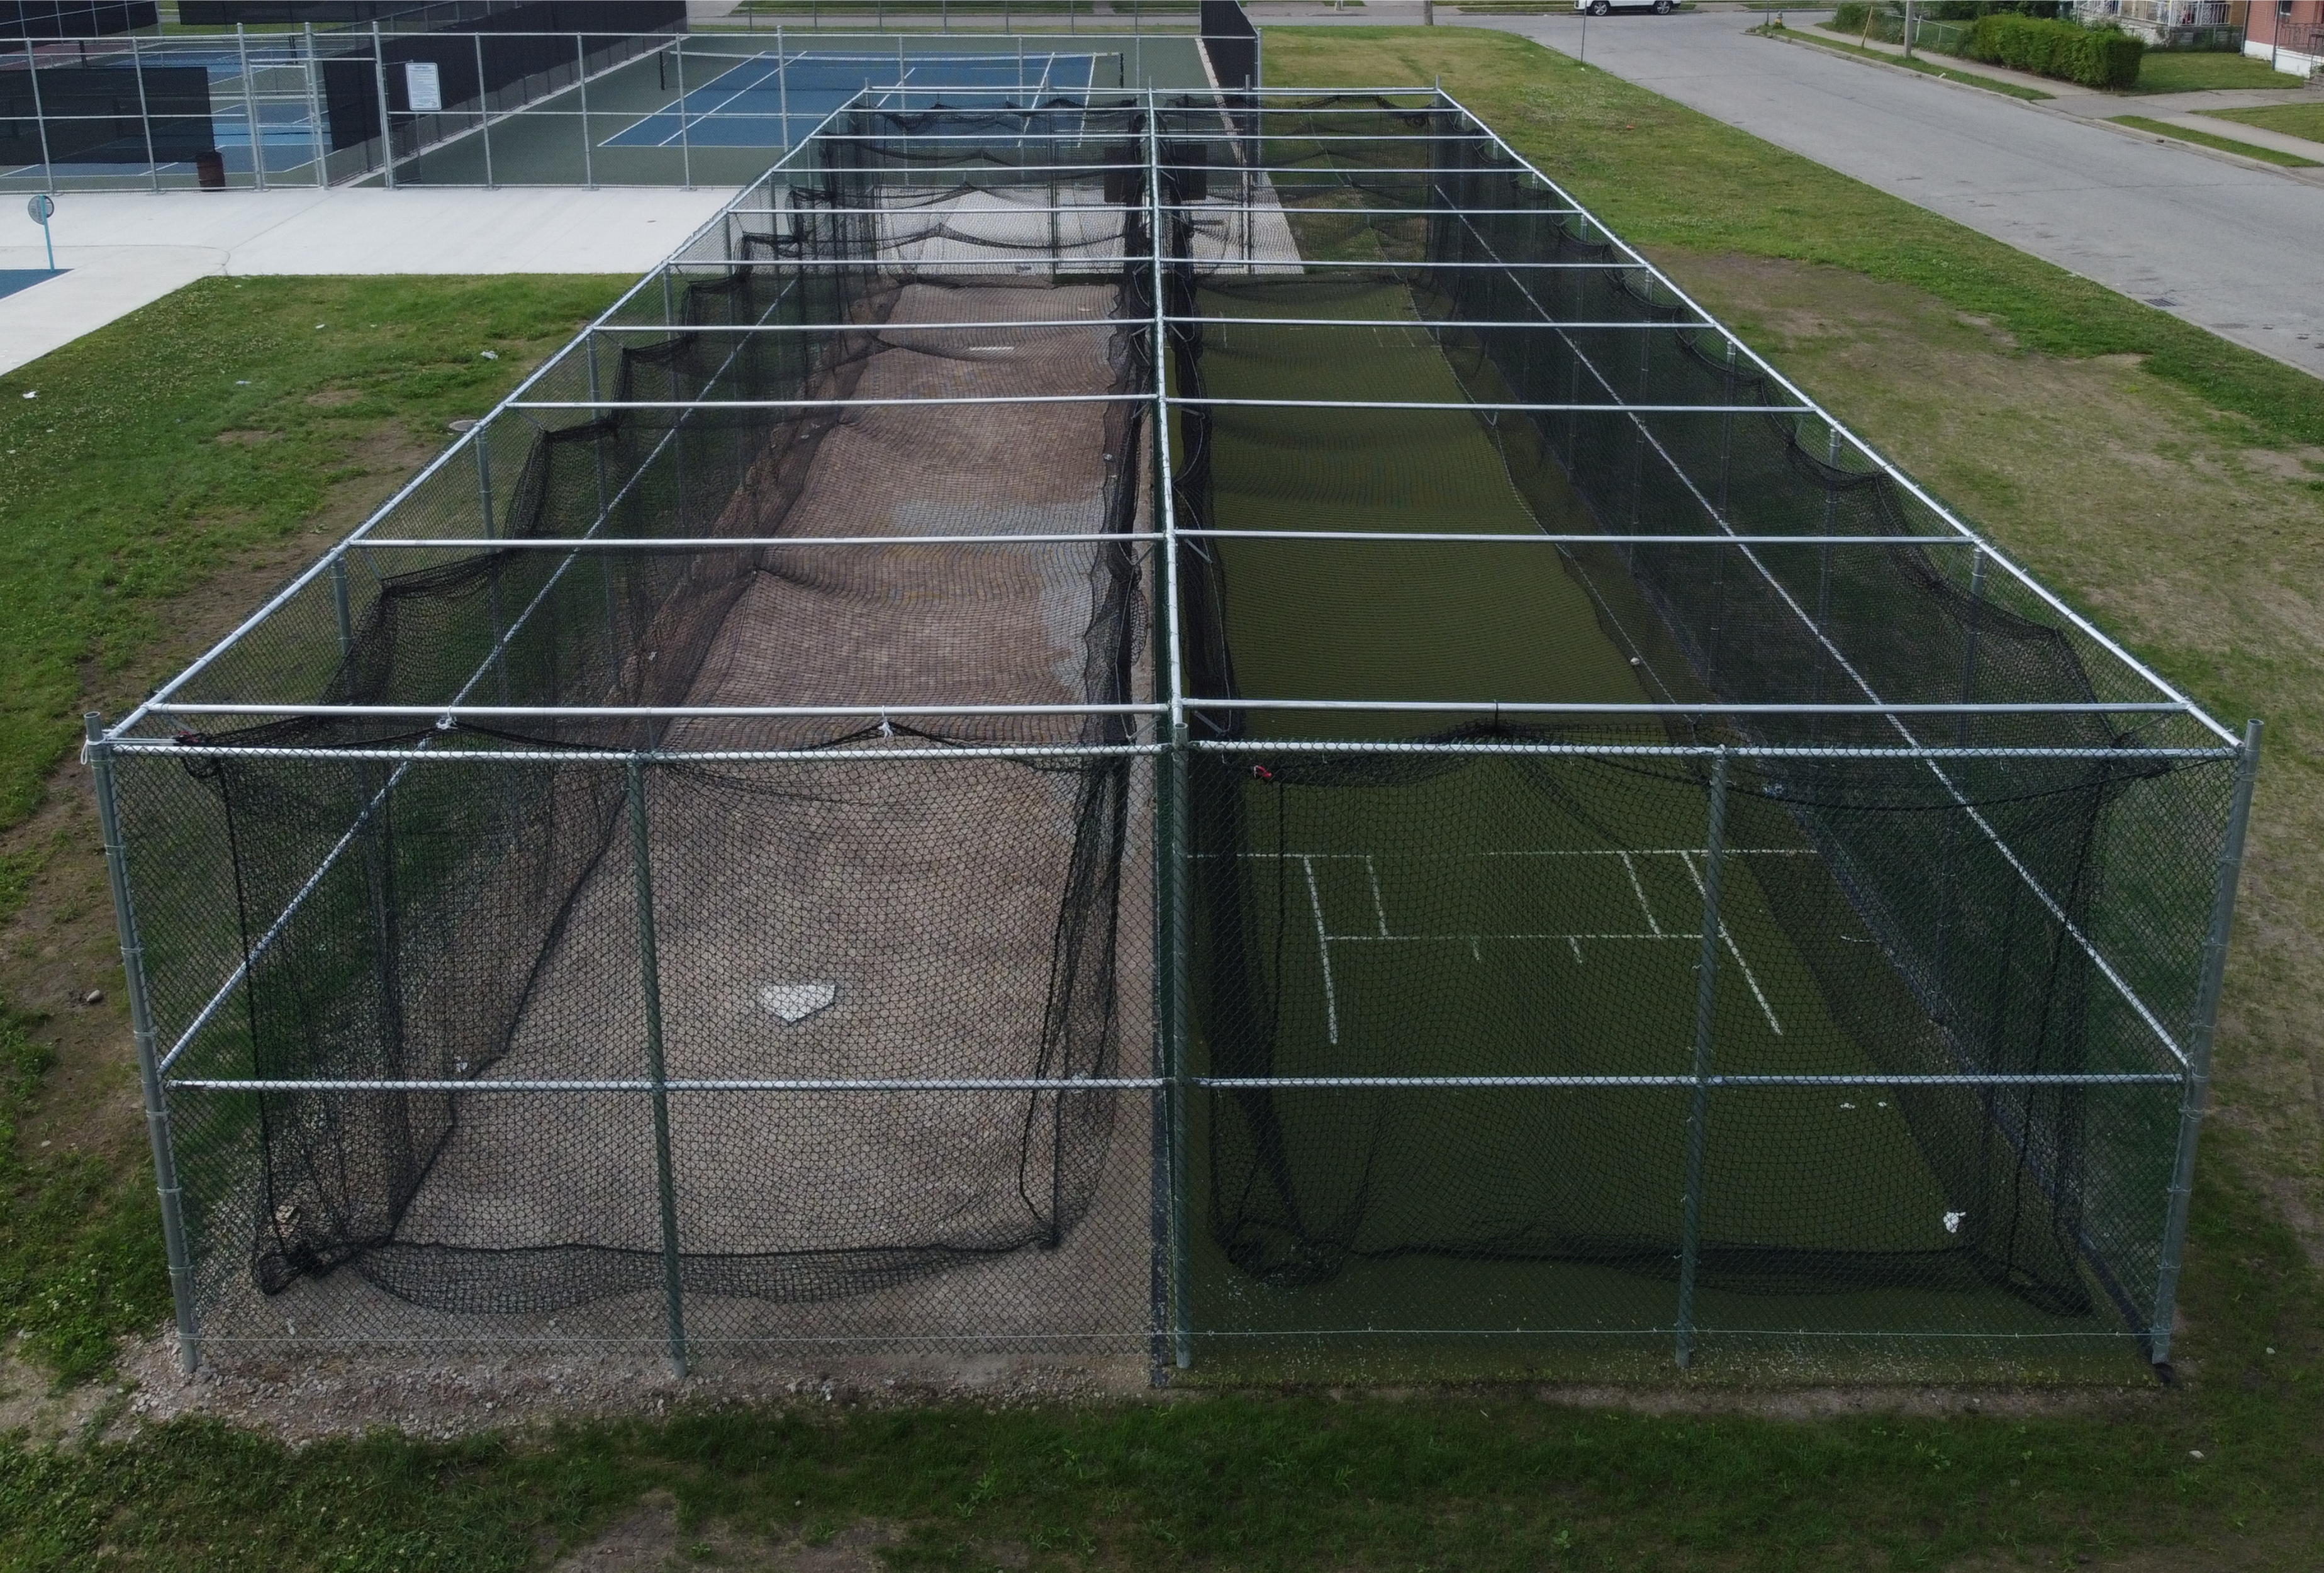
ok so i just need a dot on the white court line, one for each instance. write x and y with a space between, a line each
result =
1632 869
1736 951
1325 938
1323 947
685 123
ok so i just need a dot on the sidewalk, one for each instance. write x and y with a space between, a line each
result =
2182 109
2234 130
122 250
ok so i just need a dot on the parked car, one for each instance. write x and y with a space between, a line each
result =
1602 7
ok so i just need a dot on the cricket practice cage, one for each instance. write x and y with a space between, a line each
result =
1210 734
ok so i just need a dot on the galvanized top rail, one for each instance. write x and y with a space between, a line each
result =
1271 105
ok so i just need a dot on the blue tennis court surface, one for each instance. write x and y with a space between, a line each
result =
775 100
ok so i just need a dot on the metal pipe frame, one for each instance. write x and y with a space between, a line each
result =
1174 1083
176 1247
2197 1084
873 329
1115 264
938 400
1706 996
172 748
1648 439
656 1085
648 712
1221 208
1004 1083
1381 537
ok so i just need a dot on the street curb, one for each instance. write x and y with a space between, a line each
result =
2314 177
2309 177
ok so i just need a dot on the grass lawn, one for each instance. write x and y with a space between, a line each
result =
2171 483
2201 71
2225 143
2292 119
161 476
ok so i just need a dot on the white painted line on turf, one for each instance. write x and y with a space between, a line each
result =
1736 951
1323 948
1632 870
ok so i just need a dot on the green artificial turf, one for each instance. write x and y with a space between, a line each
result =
1500 918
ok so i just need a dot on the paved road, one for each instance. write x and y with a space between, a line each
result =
2238 251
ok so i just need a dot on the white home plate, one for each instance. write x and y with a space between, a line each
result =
795 1001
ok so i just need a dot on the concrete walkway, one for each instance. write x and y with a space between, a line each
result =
2190 110
2230 246
124 250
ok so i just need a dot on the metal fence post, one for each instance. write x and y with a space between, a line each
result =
783 86
650 978
312 69
1706 987
2205 1027
581 63
144 113
484 476
1176 1074
1969 642
379 80
1727 437
149 1069
483 109
1949 845
604 559
339 603
40 115
685 136
250 108
480 441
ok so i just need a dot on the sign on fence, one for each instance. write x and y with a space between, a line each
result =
423 85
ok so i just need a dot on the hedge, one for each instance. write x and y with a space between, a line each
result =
2096 57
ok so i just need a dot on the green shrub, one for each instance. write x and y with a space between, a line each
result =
2096 57
1849 17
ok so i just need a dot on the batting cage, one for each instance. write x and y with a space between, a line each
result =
1207 732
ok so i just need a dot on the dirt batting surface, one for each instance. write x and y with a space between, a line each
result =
842 919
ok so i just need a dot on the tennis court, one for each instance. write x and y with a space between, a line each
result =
721 109
773 100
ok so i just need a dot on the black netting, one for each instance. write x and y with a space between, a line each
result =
1402 914
953 918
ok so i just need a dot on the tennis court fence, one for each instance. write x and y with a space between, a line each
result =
458 103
